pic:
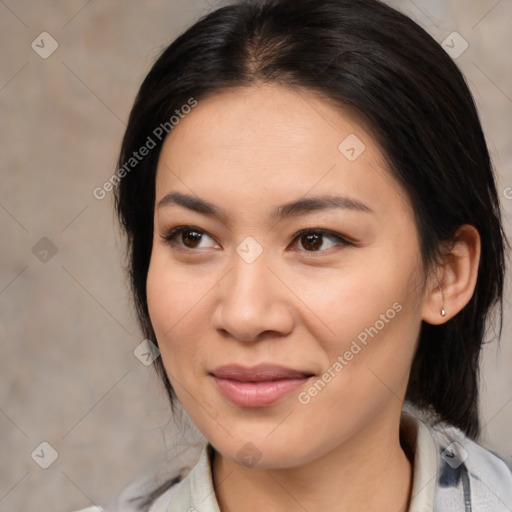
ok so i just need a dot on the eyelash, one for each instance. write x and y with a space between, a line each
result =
170 238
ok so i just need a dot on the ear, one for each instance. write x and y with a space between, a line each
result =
452 286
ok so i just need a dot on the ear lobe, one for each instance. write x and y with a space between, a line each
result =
453 285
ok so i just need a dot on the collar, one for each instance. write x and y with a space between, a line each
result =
196 491
420 448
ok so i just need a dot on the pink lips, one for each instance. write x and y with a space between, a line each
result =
258 386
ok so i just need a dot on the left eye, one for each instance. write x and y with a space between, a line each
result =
317 240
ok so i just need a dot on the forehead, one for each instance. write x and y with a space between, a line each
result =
266 141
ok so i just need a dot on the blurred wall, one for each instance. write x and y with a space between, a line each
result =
67 332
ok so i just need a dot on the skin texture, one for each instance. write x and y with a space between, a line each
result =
247 151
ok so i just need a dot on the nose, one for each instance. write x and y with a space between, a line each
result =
252 302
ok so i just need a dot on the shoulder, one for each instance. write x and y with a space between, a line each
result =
456 448
468 472
479 460
152 492
91 509
141 496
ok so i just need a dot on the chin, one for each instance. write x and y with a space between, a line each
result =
263 453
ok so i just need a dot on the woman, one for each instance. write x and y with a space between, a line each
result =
315 245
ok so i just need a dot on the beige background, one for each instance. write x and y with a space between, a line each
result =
69 375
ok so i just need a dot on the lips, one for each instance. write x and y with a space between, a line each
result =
260 373
258 386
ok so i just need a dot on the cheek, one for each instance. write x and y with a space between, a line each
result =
372 311
176 299
347 300
169 300
171 292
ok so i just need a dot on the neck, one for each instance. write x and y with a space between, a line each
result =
368 472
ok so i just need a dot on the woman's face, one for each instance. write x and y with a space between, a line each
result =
338 307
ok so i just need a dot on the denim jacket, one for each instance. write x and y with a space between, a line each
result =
451 473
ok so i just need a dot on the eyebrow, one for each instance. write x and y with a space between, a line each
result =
291 209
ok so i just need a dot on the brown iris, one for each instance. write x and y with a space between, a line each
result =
311 241
191 239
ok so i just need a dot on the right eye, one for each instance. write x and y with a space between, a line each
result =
188 238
